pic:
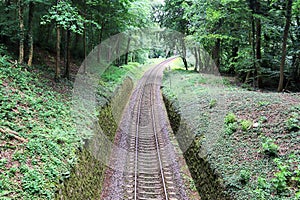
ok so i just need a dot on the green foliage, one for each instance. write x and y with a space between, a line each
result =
230 118
293 123
42 117
66 16
245 176
246 125
269 147
212 103
281 177
231 128
263 103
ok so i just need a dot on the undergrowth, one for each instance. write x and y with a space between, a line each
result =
257 144
38 139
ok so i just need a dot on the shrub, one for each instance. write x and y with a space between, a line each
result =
281 177
246 125
231 128
244 176
293 123
230 118
270 148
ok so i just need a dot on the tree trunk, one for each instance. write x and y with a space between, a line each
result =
57 67
100 37
68 42
117 52
197 60
258 53
127 50
216 53
185 62
21 26
30 34
184 54
84 48
235 51
285 37
200 59
253 50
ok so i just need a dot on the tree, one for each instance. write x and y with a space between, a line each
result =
64 15
285 37
30 32
173 18
21 25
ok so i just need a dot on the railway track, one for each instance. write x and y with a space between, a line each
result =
149 168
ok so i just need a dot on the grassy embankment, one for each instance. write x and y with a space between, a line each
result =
249 139
38 139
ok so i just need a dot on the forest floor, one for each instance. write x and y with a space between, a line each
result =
38 139
251 138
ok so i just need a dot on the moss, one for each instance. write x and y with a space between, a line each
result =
85 181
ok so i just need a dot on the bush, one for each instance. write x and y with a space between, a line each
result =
231 128
246 125
230 118
293 123
270 148
244 176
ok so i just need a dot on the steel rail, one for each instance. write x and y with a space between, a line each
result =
142 92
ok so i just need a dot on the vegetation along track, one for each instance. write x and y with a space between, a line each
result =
143 163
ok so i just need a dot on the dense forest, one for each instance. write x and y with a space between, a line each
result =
257 41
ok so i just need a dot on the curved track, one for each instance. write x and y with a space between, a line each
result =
148 169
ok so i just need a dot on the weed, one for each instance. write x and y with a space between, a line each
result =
262 183
230 118
245 176
281 177
246 125
3 162
32 182
231 128
270 148
263 103
13 171
212 103
293 123
263 119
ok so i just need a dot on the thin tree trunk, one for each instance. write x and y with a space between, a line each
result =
235 51
84 48
68 41
117 51
21 26
58 40
216 53
183 57
127 50
200 60
258 53
285 37
258 46
253 50
197 60
100 36
30 34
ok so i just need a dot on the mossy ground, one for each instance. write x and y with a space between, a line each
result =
257 155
